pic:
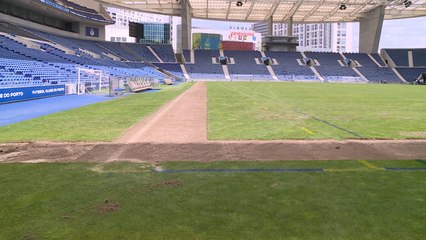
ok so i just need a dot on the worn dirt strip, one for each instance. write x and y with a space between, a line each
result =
182 120
215 151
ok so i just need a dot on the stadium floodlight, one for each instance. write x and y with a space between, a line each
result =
342 6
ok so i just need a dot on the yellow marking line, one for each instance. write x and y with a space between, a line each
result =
307 130
371 166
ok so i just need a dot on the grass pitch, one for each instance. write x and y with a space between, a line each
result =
103 121
252 111
129 201
269 111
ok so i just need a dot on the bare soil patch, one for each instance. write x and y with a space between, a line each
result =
107 207
217 151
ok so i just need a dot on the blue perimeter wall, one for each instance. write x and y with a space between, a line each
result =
8 95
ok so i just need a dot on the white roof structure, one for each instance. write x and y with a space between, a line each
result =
302 11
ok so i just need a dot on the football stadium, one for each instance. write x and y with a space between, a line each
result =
124 120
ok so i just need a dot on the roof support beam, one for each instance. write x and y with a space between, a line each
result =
313 10
293 10
249 11
229 9
273 10
370 30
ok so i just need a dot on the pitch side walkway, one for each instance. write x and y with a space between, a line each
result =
21 111
182 120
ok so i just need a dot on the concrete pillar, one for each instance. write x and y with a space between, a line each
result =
270 26
370 30
186 15
290 26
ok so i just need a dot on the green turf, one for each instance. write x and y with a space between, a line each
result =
265 111
97 122
65 201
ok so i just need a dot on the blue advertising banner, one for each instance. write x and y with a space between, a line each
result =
92 32
55 5
8 95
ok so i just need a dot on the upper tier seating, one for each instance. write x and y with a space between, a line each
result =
245 65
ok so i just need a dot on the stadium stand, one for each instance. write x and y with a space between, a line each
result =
203 68
165 52
246 66
419 57
141 50
288 68
53 59
338 73
119 50
187 55
173 68
330 68
325 58
50 64
411 74
399 56
379 59
362 59
379 74
11 29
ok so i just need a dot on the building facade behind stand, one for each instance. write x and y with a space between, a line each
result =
327 37
155 25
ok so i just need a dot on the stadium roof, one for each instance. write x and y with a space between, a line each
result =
280 10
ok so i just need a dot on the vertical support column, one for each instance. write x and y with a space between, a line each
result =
270 26
290 26
370 30
186 15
